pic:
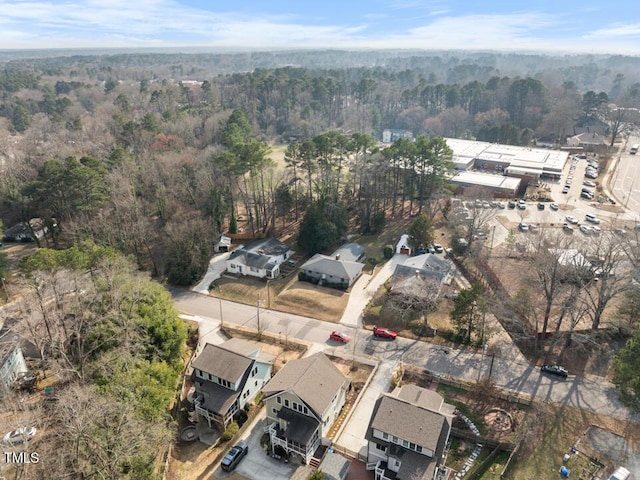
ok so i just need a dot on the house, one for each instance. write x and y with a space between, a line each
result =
391 135
227 377
303 400
261 259
223 244
407 434
587 140
20 232
342 267
415 274
12 362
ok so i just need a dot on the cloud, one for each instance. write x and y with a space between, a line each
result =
142 23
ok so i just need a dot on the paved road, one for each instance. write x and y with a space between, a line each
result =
589 392
625 182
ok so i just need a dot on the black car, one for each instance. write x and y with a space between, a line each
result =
237 453
555 370
511 205
540 206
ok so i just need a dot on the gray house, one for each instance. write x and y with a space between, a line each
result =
261 259
407 434
342 267
303 400
12 362
427 266
227 377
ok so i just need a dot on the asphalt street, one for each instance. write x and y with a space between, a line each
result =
589 392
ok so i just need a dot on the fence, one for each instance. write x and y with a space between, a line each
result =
459 433
350 453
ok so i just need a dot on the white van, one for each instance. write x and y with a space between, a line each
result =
634 149
620 474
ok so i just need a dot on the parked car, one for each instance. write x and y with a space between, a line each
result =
438 248
595 229
589 183
565 189
555 370
554 207
20 435
620 231
340 337
523 227
432 249
540 206
591 218
452 295
511 205
567 228
501 205
522 204
571 219
384 333
237 453
587 195
586 229
533 227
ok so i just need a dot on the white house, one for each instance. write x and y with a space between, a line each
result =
12 363
227 377
261 259
407 434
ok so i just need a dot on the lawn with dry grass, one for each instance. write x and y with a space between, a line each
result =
302 298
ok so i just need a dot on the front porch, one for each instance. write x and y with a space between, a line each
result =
293 445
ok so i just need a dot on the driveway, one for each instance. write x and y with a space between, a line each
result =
365 288
217 266
257 465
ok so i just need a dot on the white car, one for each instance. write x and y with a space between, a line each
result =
523 227
20 435
591 218
596 229
586 230
589 183
571 219
554 206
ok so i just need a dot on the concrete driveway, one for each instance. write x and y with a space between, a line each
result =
217 266
257 465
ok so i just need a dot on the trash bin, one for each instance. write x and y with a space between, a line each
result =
564 472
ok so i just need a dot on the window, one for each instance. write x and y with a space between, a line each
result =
286 402
274 411
395 439
306 410
382 448
278 400
295 406
255 384
405 444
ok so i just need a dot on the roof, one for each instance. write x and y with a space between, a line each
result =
247 348
334 466
421 396
9 341
408 421
351 252
268 246
300 427
330 266
413 465
426 265
314 379
218 399
222 363
487 180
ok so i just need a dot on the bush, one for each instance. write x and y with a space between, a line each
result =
302 276
241 417
387 252
231 430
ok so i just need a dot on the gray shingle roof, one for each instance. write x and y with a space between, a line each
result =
330 266
334 466
300 428
350 252
222 363
407 421
421 396
315 379
268 246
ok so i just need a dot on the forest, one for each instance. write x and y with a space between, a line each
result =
136 162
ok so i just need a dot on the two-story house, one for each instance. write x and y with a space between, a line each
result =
407 434
227 377
303 400
261 259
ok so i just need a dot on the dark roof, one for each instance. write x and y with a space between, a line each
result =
222 363
407 421
268 246
217 398
412 464
330 266
350 252
300 428
314 379
334 466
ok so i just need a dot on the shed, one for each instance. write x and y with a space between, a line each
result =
334 467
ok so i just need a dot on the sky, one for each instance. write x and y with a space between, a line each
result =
587 26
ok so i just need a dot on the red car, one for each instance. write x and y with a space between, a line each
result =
340 337
384 333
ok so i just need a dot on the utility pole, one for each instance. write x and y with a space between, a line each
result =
220 300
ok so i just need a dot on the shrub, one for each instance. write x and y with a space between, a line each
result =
231 430
387 252
241 417
302 276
